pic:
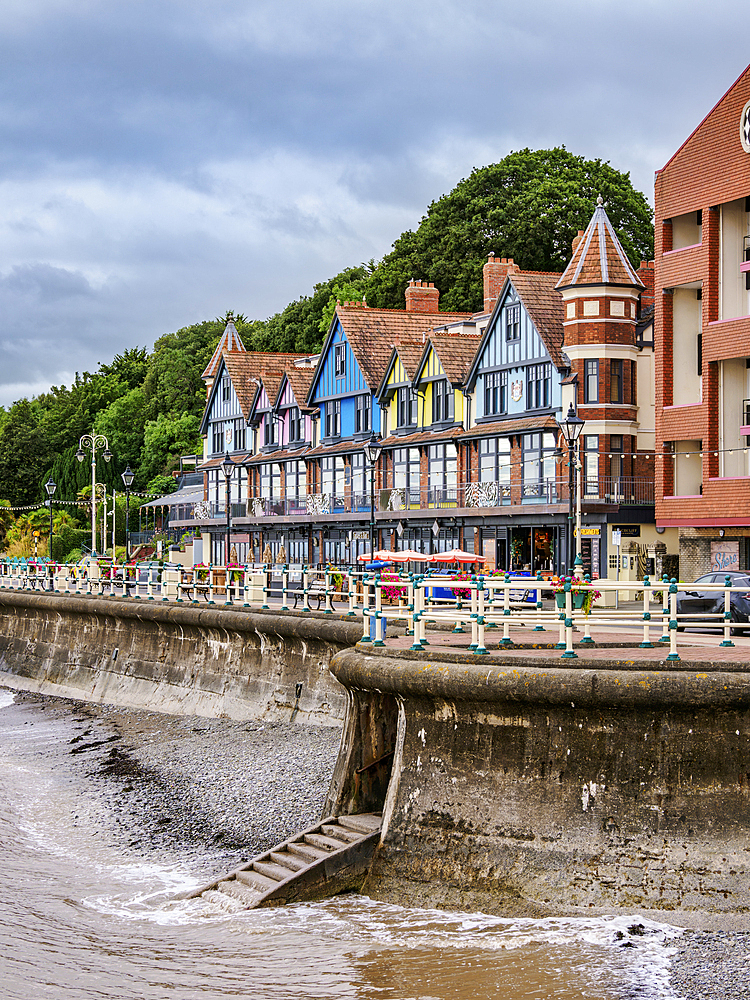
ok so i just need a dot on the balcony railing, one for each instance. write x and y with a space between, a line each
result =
625 490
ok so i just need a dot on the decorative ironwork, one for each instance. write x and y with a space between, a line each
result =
481 494
397 500
319 503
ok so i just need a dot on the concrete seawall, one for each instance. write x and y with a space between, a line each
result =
542 789
174 658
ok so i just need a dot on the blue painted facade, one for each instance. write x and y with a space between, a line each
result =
339 378
513 361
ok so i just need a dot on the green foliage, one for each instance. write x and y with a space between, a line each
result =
123 423
529 206
165 439
161 485
24 454
173 383
129 368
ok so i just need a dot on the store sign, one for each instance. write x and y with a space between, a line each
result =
587 532
745 128
628 530
725 556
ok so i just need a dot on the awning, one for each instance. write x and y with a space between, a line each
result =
191 494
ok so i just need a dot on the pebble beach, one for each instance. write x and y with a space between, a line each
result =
229 789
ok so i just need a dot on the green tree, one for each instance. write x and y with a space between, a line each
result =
24 454
529 206
173 382
123 423
129 368
165 439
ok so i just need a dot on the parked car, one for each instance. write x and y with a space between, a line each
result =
711 602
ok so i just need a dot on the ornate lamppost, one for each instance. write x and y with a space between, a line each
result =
50 486
571 429
94 442
372 453
227 467
127 477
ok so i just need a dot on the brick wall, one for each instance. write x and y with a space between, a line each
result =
422 296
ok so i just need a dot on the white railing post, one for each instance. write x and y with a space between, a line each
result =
306 587
664 637
673 654
481 649
646 644
569 653
727 612
366 608
329 592
377 641
505 641
473 613
266 587
540 581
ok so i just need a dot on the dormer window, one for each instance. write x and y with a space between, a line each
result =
339 360
405 408
513 321
442 401
295 424
269 429
226 390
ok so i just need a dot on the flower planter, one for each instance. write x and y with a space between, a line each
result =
578 600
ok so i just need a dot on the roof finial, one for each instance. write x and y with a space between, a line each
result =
599 200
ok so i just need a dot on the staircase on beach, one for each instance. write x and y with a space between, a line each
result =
326 859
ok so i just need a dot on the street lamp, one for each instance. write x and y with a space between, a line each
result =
93 441
571 429
227 467
127 477
372 452
50 486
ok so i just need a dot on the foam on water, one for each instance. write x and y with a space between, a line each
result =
6 697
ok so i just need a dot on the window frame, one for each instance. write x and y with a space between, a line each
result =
443 401
513 321
538 385
339 360
362 413
616 379
591 377
332 418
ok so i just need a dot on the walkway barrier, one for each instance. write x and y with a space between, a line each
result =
424 603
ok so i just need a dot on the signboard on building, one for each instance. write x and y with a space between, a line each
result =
725 556
628 530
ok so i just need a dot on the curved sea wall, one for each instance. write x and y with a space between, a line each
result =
543 789
174 658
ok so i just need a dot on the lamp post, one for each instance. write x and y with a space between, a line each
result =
227 467
571 429
94 442
127 477
372 451
50 486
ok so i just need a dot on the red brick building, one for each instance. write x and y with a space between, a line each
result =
702 339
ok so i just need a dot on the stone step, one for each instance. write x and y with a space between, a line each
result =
256 880
277 872
325 843
339 833
362 823
238 891
306 851
288 860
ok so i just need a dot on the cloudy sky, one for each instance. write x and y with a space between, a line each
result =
162 161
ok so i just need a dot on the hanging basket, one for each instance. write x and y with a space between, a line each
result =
578 600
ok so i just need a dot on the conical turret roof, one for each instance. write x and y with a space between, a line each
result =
230 341
598 257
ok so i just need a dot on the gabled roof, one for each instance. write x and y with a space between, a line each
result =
543 303
409 354
300 380
372 333
230 341
599 259
456 351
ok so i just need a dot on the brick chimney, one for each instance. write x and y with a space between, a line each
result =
646 273
422 297
576 240
494 273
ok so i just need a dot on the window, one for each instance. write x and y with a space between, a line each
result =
269 429
513 321
360 480
406 474
334 476
239 434
295 480
441 471
362 414
406 409
591 382
226 390
333 418
296 424
494 461
496 392
442 401
217 438
615 381
270 481
538 453
339 360
539 378
615 458
591 465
